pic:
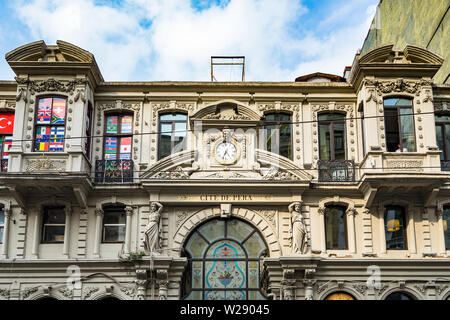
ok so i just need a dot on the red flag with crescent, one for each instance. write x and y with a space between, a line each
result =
6 123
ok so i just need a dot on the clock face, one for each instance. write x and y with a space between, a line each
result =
226 153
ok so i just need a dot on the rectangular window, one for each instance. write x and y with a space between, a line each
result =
332 140
88 129
395 227
114 224
50 125
2 224
278 129
54 223
118 137
335 227
443 135
399 125
6 131
172 134
446 222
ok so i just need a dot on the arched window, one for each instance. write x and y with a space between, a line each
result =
53 224
172 134
224 260
50 124
399 125
335 227
446 222
443 139
399 296
339 296
114 224
278 133
332 136
395 227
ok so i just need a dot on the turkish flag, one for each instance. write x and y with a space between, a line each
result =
6 123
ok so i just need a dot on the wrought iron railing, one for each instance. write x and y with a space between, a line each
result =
4 165
445 165
114 170
336 171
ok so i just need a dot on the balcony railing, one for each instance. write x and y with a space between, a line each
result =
4 165
114 170
336 171
445 165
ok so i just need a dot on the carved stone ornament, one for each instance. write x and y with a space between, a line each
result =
66 292
404 165
321 287
177 173
156 108
288 284
54 85
4 293
130 292
45 164
442 106
29 291
87 292
118 105
360 288
398 85
274 173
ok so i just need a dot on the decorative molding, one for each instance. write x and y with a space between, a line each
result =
399 85
118 105
4 293
157 108
360 288
404 165
29 291
66 292
441 106
54 85
45 164
178 173
130 292
275 173
87 292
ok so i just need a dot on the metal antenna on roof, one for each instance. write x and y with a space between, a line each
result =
222 61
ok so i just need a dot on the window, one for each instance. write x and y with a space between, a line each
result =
399 124
54 223
363 131
114 224
332 136
443 138
446 221
278 130
172 133
2 224
50 124
6 131
88 130
335 227
339 296
395 227
224 261
118 137
399 296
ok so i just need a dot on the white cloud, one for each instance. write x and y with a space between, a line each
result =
180 39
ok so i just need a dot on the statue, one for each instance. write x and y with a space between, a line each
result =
152 234
298 237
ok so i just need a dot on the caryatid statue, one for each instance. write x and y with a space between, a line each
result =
154 227
298 240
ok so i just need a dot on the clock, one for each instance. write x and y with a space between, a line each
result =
226 152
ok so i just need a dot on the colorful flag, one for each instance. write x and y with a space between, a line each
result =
44 113
125 145
111 124
6 123
42 138
57 139
110 148
126 165
58 111
7 143
127 123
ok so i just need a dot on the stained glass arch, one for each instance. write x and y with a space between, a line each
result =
224 261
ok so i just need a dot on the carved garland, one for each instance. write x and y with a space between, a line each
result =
156 108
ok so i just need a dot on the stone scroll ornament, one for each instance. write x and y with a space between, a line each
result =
298 239
152 234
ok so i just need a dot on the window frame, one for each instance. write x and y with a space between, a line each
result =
277 124
344 209
105 211
331 123
2 225
445 208
44 225
88 131
399 121
172 135
36 125
405 225
441 125
119 135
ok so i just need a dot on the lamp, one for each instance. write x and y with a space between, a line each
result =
393 225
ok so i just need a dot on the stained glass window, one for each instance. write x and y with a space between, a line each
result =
50 124
224 261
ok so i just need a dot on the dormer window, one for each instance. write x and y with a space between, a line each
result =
50 125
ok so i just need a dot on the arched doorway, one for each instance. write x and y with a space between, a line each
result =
339 296
224 261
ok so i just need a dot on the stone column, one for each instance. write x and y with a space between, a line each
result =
129 213
98 231
440 226
162 279
309 283
323 245
351 229
411 238
141 283
381 230
5 240
37 233
288 284
66 246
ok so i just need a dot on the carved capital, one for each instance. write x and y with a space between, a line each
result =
99 212
129 210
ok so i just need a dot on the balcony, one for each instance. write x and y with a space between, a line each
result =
445 165
4 165
336 171
114 171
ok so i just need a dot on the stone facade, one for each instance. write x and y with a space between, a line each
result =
194 186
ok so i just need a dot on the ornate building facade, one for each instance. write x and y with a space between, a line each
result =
314 189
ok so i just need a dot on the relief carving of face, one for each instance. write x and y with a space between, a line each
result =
297 208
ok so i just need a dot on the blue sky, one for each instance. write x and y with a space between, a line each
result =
152 40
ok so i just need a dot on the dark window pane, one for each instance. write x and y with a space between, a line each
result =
335 227
440 140
114 217
330 116
325 142
407 130
165 140
399 296
2 217
114 233
278 134
339 141
55 215
394 220
53 233
446 222
285 140
392 130
1 234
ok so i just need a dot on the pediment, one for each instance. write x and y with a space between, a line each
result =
226 110
410 54
39 51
